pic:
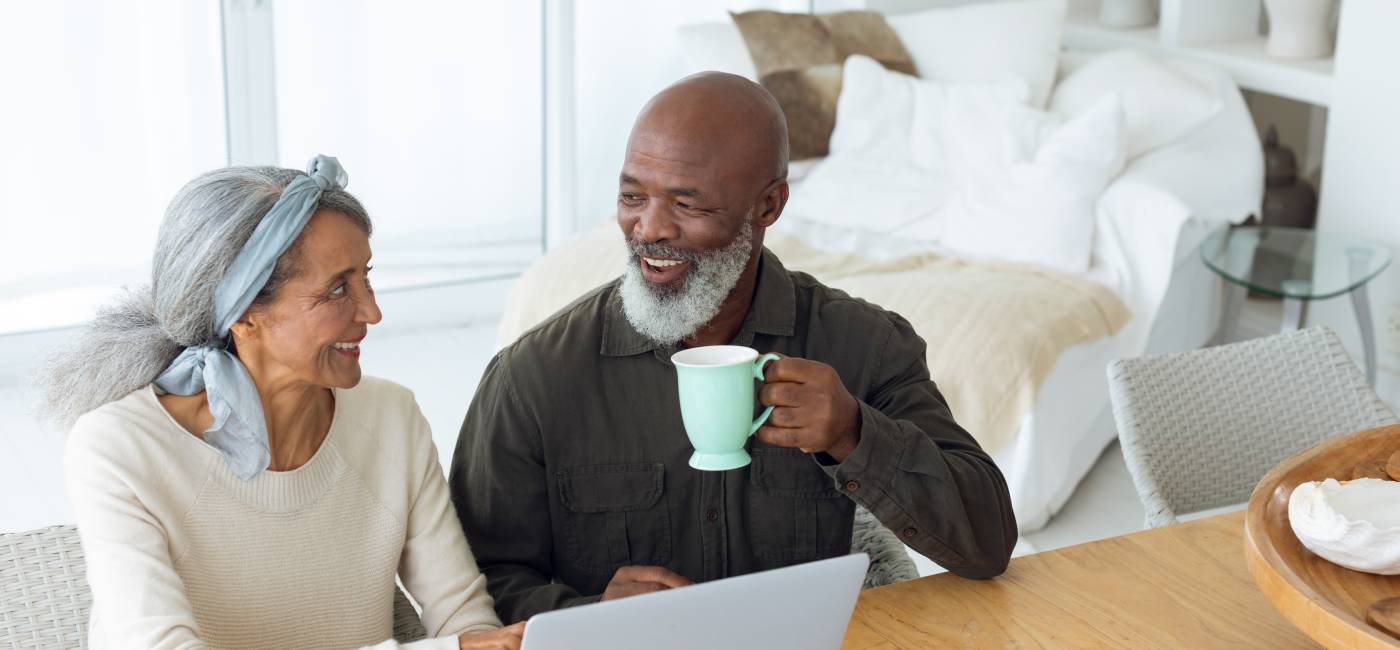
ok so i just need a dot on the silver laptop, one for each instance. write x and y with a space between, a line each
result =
803 606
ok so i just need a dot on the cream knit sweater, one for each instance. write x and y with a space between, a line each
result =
182 554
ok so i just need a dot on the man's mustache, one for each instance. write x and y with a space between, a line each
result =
660 250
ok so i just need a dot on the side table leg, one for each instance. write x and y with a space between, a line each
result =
1295 308
1294 311
1234 302
1362 305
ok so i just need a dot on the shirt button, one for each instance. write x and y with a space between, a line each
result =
910 532
712 514
852 486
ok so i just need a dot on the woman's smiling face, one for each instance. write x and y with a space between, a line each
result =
311 330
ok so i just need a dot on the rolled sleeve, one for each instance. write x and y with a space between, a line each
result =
921 474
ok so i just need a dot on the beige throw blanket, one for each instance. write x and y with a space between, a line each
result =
994 330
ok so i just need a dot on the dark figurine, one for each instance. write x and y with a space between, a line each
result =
1289 201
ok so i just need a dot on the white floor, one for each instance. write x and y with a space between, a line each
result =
437 343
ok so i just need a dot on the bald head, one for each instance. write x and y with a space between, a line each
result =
721 119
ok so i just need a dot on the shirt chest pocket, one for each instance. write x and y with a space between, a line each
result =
795 513
615 515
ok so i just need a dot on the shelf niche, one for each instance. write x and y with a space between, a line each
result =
1226 33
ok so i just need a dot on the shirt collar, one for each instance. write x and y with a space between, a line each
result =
773 311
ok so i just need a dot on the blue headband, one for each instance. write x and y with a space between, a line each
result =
239 430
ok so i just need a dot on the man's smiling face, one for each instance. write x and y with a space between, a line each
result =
704 174
678 201
689 239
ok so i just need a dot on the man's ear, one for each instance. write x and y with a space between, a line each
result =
771 203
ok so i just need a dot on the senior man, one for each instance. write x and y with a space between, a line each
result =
570 475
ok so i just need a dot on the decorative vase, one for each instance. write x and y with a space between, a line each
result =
1289 201
1300 29
1127 13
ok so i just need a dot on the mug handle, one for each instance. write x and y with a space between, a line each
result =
758 366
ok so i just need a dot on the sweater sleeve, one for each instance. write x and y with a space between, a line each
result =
130 569
437 566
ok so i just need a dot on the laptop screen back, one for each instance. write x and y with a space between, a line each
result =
802 606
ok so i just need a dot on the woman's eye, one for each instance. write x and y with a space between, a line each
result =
339 290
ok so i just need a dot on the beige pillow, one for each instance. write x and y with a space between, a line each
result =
798 58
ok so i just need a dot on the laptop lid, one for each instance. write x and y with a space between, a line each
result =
801 606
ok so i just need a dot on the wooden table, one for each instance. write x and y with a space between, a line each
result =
1183 586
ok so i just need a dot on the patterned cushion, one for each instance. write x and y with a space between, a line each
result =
799 57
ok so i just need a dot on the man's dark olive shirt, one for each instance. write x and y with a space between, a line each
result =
571 462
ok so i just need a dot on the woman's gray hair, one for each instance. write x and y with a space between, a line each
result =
131 341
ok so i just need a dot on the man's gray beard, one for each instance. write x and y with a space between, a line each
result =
667 314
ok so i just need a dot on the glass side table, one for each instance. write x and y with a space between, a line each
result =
1299 266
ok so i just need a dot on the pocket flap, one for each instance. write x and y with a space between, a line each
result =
782 472
611 488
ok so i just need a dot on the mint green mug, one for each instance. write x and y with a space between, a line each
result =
717 393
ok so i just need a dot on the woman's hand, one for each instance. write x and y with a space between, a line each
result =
506 638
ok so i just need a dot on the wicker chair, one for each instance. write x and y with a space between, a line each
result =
44 597
1199 429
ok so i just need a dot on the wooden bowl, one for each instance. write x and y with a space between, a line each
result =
1327 602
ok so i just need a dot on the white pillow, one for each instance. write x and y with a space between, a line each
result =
1218 168
991 41
1027 181
886 172
715 46
1160 104
889 116
967 167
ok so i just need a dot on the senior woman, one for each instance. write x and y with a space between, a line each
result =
236 482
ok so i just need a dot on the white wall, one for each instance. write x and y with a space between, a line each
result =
109 107
625 52
433 107
1362 167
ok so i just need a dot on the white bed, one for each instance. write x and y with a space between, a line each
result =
1175 303
1217 175
1147 251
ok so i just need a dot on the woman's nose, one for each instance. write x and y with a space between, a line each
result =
367 309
